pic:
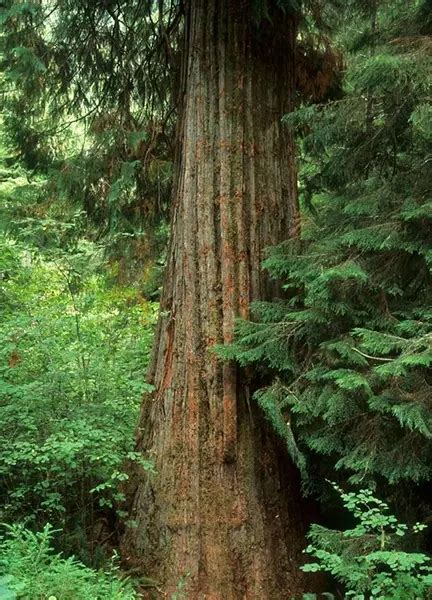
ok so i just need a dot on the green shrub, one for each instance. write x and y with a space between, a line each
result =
30 569
369 560
73 353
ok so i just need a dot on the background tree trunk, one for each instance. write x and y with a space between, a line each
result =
224 512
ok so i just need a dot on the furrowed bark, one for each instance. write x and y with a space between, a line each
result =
224 512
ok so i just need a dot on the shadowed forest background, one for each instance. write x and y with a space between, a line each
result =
215 299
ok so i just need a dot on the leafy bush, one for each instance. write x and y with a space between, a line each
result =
30 569
74 347
73 351
368 559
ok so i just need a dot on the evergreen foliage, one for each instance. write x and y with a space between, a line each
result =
87 99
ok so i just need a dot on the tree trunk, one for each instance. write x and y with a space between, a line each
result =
223 514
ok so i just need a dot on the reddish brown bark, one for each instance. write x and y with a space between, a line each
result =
224 511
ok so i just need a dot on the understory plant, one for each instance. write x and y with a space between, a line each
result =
30 569
369 560
74 345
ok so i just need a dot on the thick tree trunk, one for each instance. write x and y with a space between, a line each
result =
223 513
